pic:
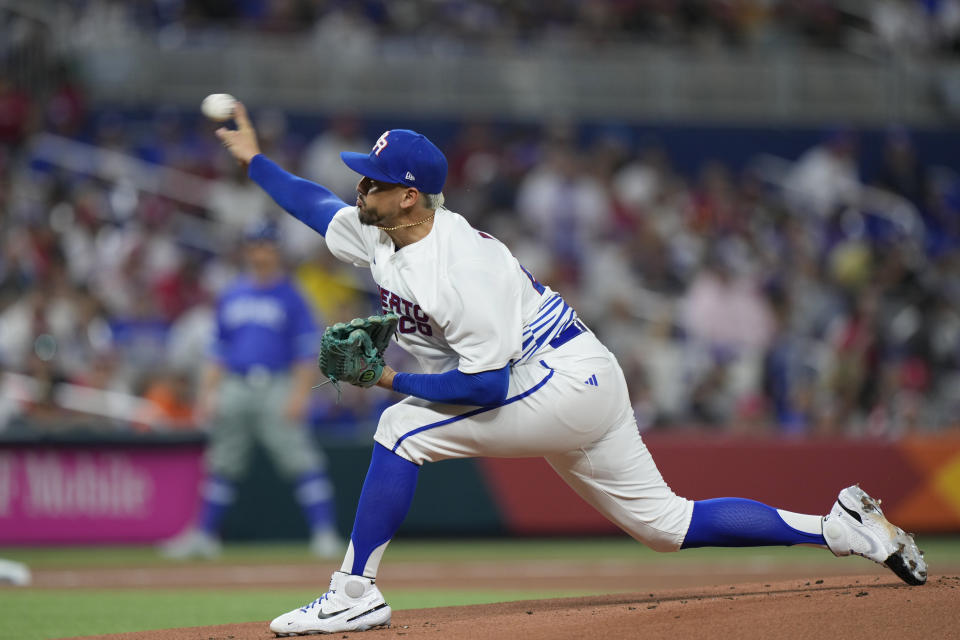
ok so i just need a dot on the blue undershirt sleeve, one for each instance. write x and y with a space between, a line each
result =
484 389
307 201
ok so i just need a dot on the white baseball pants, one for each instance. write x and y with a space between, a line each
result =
569 405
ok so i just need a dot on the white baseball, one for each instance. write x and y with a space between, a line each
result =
218 106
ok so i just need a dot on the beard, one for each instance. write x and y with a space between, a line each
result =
369 215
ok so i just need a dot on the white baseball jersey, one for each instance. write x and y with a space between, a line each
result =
465 302
463 299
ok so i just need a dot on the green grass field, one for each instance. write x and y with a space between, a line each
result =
34 614
27 614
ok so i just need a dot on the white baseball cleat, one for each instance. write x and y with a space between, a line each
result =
15 573
327 544
192 543
353 603
856 525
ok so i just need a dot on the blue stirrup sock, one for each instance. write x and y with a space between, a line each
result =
384 502
738 522
216 497
314 493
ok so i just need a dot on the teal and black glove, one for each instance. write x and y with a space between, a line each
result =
353 351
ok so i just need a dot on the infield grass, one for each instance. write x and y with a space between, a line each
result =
943 549
33 614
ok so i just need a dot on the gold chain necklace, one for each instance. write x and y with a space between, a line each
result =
412 224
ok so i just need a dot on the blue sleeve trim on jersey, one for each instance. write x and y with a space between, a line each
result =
470 414
536 285
307 201
455 387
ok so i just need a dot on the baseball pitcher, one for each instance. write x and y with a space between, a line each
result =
508 371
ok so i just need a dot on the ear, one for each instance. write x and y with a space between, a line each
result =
410 198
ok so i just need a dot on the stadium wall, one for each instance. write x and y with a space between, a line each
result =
131 491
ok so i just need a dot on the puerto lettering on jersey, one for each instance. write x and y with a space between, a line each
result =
412 317
462 297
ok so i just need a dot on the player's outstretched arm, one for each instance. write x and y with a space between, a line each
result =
312 204
306 201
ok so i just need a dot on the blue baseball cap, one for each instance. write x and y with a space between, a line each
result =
401 156
262 231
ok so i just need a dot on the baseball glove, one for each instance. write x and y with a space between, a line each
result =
353 351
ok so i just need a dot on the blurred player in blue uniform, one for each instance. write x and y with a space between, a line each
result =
257 387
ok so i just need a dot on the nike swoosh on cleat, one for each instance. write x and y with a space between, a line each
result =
853 514
324 616
376 608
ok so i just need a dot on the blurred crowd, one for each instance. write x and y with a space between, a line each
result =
792 295
863 26
797 295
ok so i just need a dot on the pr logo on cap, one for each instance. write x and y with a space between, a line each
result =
402 156
381 144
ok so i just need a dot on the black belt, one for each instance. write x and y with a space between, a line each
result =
576 328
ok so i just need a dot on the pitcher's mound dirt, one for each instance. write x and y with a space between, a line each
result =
851 608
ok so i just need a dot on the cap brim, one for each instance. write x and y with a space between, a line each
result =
361 163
